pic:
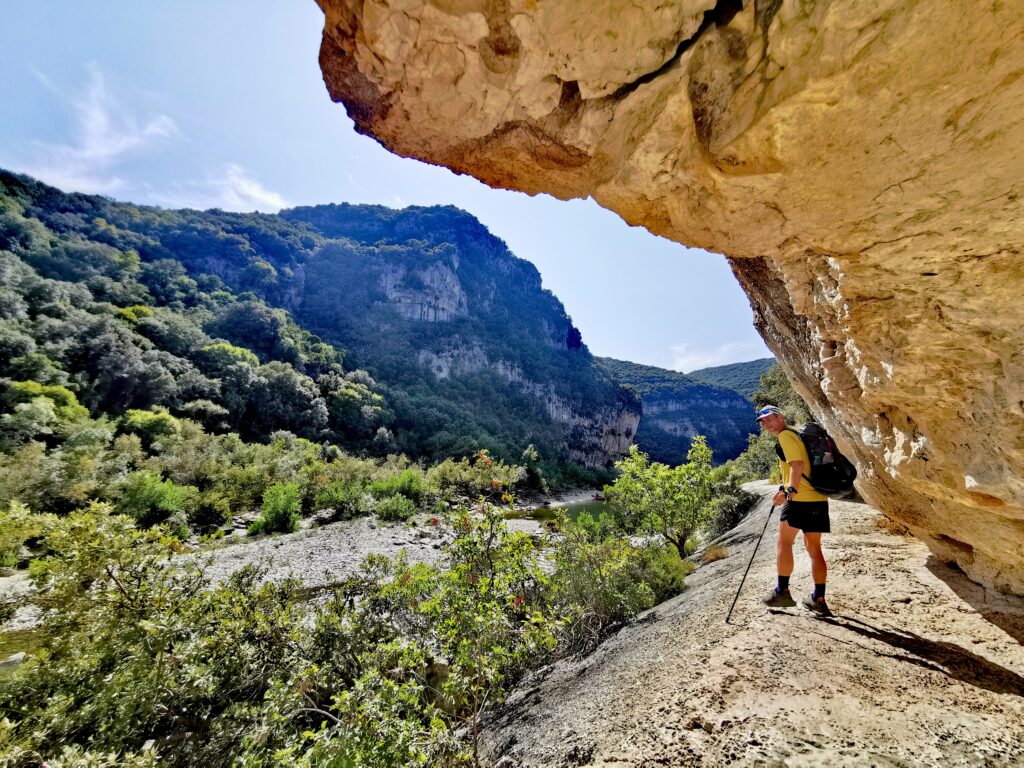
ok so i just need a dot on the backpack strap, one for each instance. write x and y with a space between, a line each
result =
781 455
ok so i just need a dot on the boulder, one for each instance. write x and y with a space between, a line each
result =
859 163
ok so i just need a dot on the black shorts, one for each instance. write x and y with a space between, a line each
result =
808 516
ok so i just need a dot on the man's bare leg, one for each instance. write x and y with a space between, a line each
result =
780 597
784 554
816 602
819 570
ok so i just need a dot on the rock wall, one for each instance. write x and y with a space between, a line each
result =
858 161
594 438
432 294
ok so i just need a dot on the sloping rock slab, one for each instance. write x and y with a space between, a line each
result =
919 666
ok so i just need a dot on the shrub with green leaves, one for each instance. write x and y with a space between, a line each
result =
598 585
148 499
395 508
17 525
731 503
674 502
485 615
386 672
64 400
150 426
279 512
141 647
759 460
410 483
346 498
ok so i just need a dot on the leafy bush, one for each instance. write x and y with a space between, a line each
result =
150 500
396 668
395 508
279 512
731 503
64 400
150 426
134 313
595 586
141 648
672 501
471 479
759 460
17 525
660 568
346 498
384 673
410 483
211 510
484 614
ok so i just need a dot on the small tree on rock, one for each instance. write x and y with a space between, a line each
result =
674 502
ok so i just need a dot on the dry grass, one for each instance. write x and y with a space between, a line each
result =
711 554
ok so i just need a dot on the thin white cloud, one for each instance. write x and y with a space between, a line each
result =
105 134
686 357
230 187
47 82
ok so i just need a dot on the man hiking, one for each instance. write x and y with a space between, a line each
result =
802 509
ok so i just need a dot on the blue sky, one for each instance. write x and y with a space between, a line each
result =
221 104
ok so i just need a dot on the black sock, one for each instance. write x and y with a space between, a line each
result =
783 584
819 591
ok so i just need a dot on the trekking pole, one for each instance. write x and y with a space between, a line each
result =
752 556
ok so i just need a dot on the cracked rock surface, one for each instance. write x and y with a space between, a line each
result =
859 162
918 666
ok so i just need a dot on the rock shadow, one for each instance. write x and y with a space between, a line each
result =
938 656
993 607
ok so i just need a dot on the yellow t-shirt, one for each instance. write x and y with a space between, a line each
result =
793 449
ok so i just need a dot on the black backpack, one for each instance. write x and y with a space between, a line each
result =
832 474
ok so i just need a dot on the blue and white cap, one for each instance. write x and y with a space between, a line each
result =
768 410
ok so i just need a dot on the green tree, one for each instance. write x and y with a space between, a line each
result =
150 426
775 389
150 500
66 405
279 512
17 525
479 613
672 501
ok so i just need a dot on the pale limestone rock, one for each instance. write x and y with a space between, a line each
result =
858 161
432 294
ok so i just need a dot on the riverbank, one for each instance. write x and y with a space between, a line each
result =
317 555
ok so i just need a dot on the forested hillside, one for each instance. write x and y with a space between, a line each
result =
677 407
242 322
741 377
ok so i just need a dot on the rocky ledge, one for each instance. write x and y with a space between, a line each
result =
919 666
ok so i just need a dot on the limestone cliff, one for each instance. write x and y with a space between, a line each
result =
677 407
484 356
858 161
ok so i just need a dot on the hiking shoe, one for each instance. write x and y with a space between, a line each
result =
776 599
818 606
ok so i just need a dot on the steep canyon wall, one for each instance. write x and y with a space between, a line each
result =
859 162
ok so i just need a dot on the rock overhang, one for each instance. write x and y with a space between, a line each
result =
858 162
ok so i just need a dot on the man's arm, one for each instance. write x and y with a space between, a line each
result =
796 472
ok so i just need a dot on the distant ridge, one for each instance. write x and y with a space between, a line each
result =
677 406
741 377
